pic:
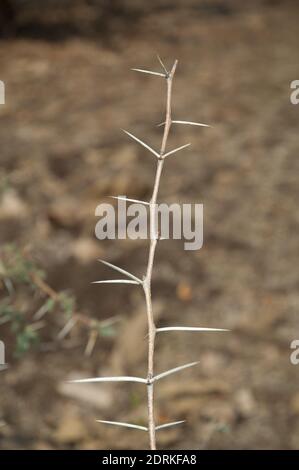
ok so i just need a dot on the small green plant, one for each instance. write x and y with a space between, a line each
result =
26 298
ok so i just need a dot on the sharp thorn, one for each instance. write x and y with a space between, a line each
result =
173 371
175 150
141 143
150 72
120 270
116 281
125 425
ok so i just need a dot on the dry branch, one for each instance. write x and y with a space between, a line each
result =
146 281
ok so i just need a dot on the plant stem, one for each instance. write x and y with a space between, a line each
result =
148 277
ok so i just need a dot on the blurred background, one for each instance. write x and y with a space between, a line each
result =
69 90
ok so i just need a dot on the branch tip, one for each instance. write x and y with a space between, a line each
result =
174 67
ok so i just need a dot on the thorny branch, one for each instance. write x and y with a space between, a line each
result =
146 281
148 277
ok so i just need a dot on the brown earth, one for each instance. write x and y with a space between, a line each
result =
62 153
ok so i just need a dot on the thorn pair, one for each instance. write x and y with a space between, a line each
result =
140 428
133 279
166 73
135 379
157 154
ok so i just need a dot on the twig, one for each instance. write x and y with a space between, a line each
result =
77 317
92 339
148 277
